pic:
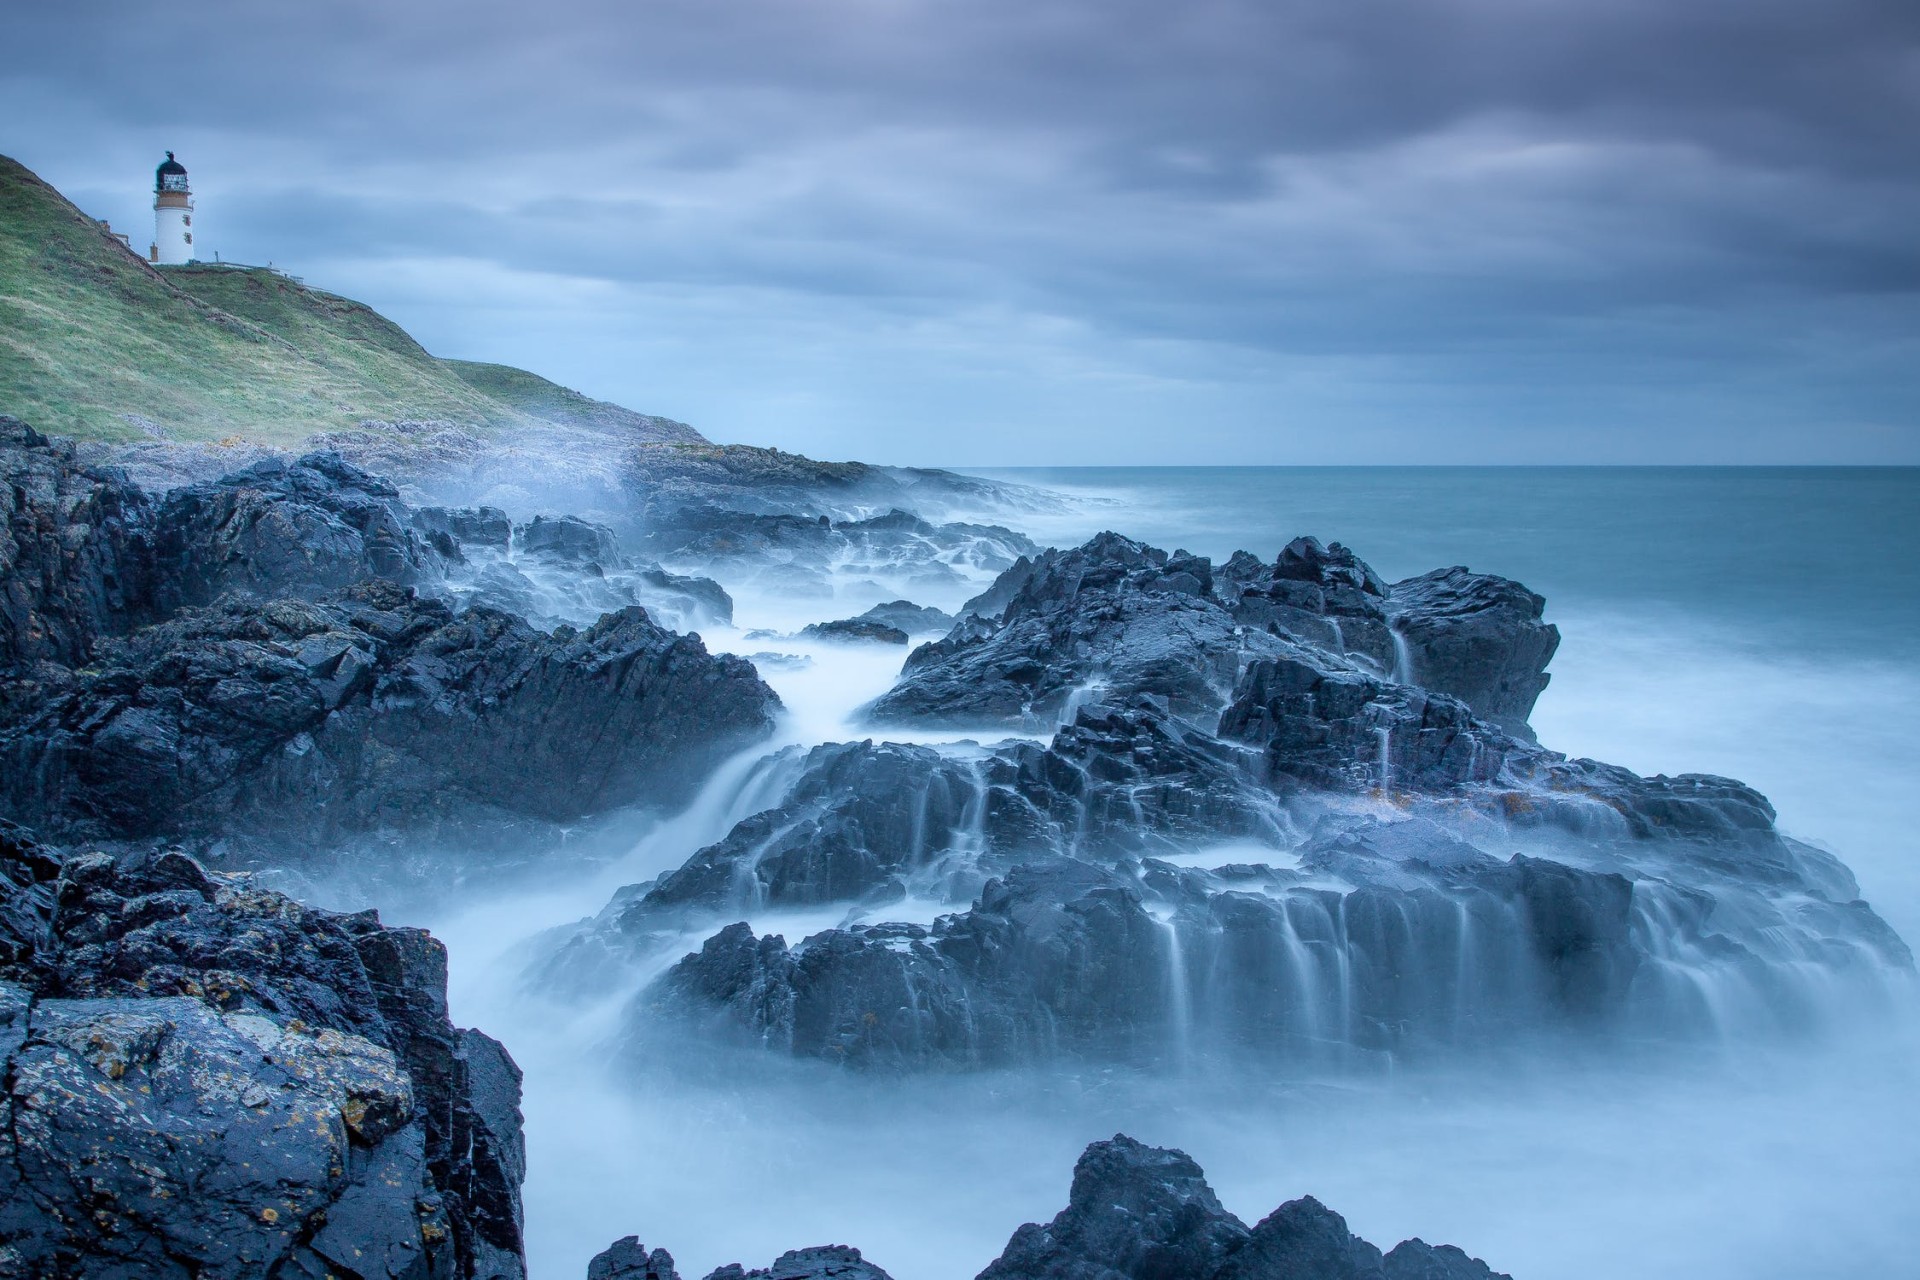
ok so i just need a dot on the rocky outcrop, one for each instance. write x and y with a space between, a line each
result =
1116 618
914 619
206 1079
821 1262
373 709
796 552
628 1259
1137 1212
281 528
856 631
1439 944
75 555
1108 620
1325 596
1477 638
874 823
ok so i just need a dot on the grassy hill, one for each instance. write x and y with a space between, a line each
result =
98 345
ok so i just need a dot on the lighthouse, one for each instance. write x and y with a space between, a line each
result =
172 214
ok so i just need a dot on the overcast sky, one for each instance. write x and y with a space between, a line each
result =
1063 231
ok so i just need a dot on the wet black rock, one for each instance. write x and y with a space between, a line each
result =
873 823
282 528
855 630
75 556
1323 595
204 1078
471 526
1477 638
569 540
1610 902
1114 618
628 1259
1108 620
914 619
821 1262
1137 1212
1326 724
373 709
1134 1211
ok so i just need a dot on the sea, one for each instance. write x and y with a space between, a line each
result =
1758 623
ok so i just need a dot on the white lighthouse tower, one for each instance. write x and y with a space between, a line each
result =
172 214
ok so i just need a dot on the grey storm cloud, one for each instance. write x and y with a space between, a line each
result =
1598 229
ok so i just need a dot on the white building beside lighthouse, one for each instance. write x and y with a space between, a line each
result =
172 214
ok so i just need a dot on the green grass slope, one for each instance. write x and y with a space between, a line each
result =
98 345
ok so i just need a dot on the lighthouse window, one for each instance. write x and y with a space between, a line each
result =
188 237
187 221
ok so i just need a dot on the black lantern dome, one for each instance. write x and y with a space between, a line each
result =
170 176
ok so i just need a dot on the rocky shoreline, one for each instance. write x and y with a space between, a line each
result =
1144 809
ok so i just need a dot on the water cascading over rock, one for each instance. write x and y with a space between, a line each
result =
1408 876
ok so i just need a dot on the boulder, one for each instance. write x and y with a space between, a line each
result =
1146 1213
1135 1213
909 617
1475 637
821 1262
207 1079
856 630
469 526
628 1259
568 540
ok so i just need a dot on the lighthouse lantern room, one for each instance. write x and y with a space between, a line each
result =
172 214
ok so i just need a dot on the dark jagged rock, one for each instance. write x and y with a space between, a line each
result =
628 1259
374 709
1124 618
1136 1212
1114 616
569 540
857 630
1477 638
75 559
1063 958
909 617
207 1079
1323 595
821 1262
1395 936
472 526
869 823
1325 724
282 528
1146 1213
